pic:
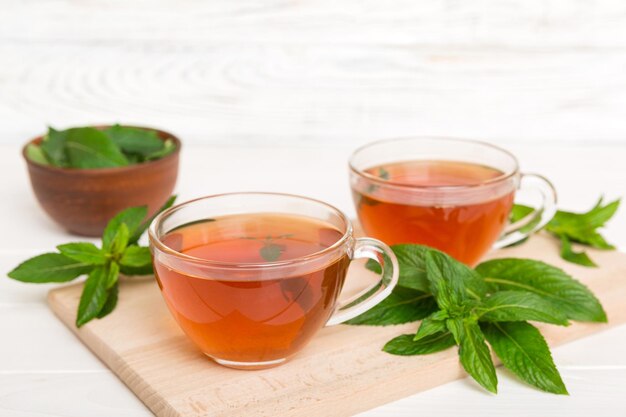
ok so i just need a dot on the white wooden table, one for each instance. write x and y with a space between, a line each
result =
273 95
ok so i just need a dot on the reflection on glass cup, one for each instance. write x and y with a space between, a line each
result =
251 277
450 194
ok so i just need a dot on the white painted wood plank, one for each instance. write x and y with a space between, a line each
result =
33 340
592 393
317 93
78 394
440 22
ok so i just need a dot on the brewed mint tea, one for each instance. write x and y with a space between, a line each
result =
241 316
408 211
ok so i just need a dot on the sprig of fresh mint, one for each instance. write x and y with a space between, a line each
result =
119 253
91 148
490 305
581 228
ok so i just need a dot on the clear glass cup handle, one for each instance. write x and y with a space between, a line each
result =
535 221
369 297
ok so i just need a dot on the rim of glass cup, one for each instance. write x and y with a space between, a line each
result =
383 182
154 239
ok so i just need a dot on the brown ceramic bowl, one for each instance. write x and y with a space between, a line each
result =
84 200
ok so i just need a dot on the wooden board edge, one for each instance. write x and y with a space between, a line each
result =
112 360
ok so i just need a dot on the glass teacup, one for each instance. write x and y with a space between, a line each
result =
451 194
251 277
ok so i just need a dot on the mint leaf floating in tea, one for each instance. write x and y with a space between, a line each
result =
119 253
271 252
581 228
488 305
94 148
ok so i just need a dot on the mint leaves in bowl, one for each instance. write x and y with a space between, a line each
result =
95 148
83 176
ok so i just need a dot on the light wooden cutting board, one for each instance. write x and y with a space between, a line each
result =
343 370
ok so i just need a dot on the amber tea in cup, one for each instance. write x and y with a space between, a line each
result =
251 277
453 195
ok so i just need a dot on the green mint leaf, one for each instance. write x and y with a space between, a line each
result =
523 350
89 148
111 302
383 173
132 270
520 306
120 240
519 211
403 305
271 252
168 148
94 295
131 217
139 230
473 352
136 256
453 283
568 295
113 274
591 238
581 227
430 326
83 252
404 345
36 154
53 145
564 221
412 272
413 268
133 140
374 266
575 227
570 255
49 267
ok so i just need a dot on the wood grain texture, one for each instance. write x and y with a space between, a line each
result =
317 71
340 373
